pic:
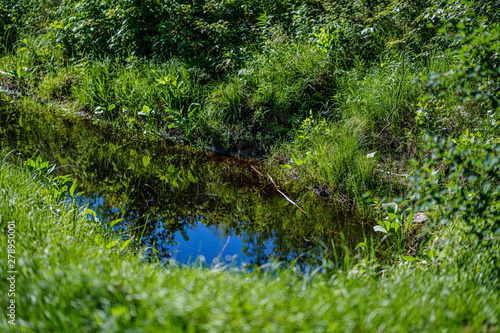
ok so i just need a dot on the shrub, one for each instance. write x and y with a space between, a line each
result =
462 178
274 91
115 28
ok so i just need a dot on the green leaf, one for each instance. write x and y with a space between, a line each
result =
297 161
145 160
395 226
392 216
72 189
146 109
385 224
379 228
99 240
113 243
30 163
126 243
286 166
409 219
360 245
191 178
432 253
91 212
112 223
409 258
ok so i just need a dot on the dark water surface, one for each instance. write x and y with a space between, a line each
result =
186 203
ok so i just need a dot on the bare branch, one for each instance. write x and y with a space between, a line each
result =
388 119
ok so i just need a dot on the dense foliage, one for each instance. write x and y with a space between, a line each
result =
245 76
349 97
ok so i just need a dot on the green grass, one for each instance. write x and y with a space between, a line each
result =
65 282
333 158
321 91
363 99
255 96
272 92
260 108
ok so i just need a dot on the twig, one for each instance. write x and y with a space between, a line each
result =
227 242
256 171
150 187
284 195
388 119
277 189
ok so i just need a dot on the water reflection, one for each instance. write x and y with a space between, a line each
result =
184 202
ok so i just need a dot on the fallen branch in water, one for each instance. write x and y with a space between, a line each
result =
284 195
277 189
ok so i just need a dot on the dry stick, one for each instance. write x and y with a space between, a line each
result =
277 189
284 195
388 120
251 166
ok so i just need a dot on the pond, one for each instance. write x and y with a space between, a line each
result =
184 203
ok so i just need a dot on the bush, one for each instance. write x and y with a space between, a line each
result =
274 91
18 17
462 178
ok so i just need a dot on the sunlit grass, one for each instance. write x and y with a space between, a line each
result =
322 109
333 155
65 281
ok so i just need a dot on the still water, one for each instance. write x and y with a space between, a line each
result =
184 203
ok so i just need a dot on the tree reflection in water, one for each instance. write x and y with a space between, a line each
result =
181 198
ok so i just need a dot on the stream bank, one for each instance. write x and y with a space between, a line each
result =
186 203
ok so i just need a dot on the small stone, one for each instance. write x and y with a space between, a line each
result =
419 218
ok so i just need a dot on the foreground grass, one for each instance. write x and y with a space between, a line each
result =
66 282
